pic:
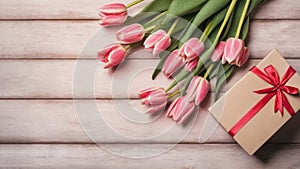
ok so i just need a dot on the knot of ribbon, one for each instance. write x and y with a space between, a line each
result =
278 89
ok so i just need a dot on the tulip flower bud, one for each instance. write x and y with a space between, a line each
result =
218 52
235 52
180 109
112 55
112 14
233 49
157 42
172 64
197 90
190 66
191 49
243 58
130 34
155 98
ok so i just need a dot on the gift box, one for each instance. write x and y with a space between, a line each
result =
259 104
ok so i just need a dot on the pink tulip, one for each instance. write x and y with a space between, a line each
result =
113 14
190 66
172 64
243 58
218 52
131 34
233 49
155 98
197 90
235 52
191 49
157 42
180 109
112 55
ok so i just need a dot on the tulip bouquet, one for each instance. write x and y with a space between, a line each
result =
169 30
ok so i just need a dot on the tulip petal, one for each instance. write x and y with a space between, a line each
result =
161 45
191 91
130 34
218 52
244 57
103 53
154 38
185 107
172 64
112 20
113 8
155 100
155 108
193 49
186 115
202 91
172 107
190 66
145 92
233 48
117 55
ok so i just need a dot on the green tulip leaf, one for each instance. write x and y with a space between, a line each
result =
245 29
209 9
236 19
218 18
215 70
223 74
253 4
158 6
152 9
183 7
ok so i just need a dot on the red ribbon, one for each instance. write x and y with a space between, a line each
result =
279 89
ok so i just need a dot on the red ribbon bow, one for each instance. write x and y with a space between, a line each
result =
279 89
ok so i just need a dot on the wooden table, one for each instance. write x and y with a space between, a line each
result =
39 46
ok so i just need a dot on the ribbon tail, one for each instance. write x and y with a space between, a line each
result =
250 114
287 105
278 106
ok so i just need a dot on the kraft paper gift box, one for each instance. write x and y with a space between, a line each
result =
251 110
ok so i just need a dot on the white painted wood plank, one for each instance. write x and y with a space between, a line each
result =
182 156
118 121
87 79
67 39
87 9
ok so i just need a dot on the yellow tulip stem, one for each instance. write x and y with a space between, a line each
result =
133 3
174 94
237 35
206 32
208 71
171 30
157 17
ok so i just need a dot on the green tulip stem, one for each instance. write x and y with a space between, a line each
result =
178 79
206 32
208 71
174 94
171 30
156 18
127 47
149 28
204 58
133 3
237 35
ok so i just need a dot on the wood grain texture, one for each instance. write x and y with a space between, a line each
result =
87 78
74 39
182 156
41 125
87 9
57 121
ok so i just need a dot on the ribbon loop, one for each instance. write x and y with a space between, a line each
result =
278 90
